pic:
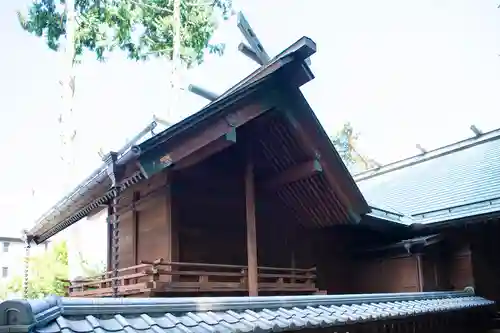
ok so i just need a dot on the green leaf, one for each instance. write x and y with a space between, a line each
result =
141 28
47 274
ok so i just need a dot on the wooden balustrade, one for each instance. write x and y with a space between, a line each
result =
181 277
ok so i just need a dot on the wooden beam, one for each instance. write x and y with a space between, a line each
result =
159 159
315 139
309 144
293 174
253 286
205 152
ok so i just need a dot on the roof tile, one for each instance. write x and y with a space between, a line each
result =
234 315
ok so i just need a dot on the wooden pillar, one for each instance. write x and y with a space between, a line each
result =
291 240
253 288
420 273
136 196
172 234
109 239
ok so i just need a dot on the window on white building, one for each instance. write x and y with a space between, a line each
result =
6 246
5 272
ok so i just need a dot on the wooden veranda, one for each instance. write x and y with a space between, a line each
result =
161 278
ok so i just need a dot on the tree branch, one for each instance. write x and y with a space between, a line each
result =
150 6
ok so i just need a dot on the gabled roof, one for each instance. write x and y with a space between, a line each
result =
285 73
92 192
223 314
459 181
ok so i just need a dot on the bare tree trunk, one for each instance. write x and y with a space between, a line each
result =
176 61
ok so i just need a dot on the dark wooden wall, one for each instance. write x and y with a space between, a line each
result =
208 211
444 266
210 220
460 268
399 274
142 226
485 249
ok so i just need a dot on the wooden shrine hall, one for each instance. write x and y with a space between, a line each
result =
227 201
248 197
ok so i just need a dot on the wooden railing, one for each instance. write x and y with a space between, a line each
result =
180 277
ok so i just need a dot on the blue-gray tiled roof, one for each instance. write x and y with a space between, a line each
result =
234 314
454 182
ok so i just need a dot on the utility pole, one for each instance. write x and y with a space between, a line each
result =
176 62
68 129
66 116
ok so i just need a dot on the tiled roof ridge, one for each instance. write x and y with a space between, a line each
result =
30 311
223 314
429 155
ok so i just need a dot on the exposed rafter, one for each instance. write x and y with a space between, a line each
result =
293 174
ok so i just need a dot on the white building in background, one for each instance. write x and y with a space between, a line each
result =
12 253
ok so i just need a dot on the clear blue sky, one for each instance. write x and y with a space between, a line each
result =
403 72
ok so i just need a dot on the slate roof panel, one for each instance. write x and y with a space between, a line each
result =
456 182
225 314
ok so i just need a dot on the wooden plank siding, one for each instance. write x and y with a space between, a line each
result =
142 230
460 269
388 275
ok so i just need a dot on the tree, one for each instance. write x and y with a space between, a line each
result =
141 28
48 273
345 141
4 292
